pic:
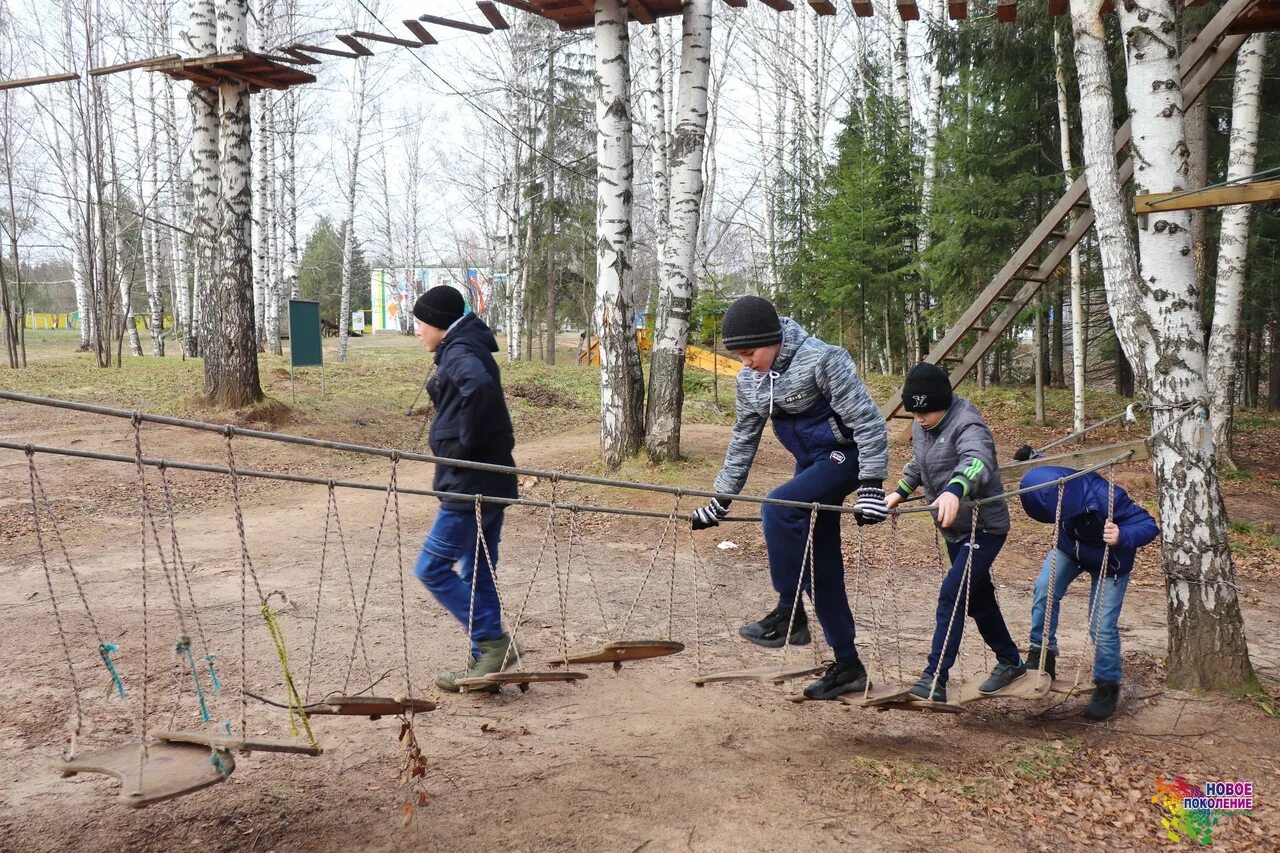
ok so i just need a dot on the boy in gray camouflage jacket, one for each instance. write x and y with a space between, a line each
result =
954 458
823 414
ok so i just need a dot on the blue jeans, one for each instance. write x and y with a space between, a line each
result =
983 606
453 540
1104 630
786 530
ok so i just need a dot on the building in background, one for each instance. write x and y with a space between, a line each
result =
394 290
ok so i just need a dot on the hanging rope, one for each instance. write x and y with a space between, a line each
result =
180 570
297 711
806 563
1094 611
965 582
892 584
404 606
357 640
662 539
548 533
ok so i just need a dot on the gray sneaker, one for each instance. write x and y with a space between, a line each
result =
1002 676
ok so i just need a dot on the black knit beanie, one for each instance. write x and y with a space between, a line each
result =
441 306
927 389
749 323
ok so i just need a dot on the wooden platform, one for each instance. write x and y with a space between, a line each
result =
231 743
255 69
771 674
369 706
170 770
1036 684
619 652
519 679
902 699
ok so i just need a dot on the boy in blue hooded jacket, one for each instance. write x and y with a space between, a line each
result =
472 423
1086 536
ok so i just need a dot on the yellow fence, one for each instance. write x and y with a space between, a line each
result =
47 320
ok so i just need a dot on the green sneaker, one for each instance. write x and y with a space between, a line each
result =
448 680
493 653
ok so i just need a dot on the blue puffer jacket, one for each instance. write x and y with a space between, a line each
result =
471 420
1084 512
818 406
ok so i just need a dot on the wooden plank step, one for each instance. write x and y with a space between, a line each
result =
170 770
1137 450
224 742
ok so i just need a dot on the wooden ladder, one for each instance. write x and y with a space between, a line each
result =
1020 279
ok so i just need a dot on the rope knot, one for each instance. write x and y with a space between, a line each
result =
228 430
395 457
30 450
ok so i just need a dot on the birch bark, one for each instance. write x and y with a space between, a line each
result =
1233 246
1153 307
621 379
679 277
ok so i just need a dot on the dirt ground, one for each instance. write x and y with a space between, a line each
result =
635 760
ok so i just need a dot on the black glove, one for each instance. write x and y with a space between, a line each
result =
871 508
710 515
1023 454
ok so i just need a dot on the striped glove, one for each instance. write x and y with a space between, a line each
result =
871 508
710 515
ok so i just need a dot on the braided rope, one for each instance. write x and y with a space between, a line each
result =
358 639
666 529
404 606
548 532
965 581
806 562
324 554
1095 612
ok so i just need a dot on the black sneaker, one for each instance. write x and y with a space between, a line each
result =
1050 660
1002 676
843 676
921 689
1106 695
770 631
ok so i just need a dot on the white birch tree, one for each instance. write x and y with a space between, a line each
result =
1154 310
1078 318
358 91
677 262
1224 341
621 378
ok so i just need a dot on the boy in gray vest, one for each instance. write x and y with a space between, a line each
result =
954 458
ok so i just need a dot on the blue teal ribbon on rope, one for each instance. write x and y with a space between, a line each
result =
105 650
213 676
184 648
216 760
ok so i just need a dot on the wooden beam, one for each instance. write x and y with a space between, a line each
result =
638 12
1058 7
302 58
291 60
457 25
958 10
1007 11
357 46
396 40
778 5
522 6
863 8
1250 193
23 82
420 31
129 66
492 15
737 4
327 51
908 10
822 7
249 79
1137 449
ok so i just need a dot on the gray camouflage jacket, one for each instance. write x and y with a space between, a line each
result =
958 454
817 404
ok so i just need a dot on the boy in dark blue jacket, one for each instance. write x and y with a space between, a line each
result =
471 422
1085 534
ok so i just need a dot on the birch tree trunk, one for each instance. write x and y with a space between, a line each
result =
151 237
659 144
679 277
349 222
1224 341
173 207
230 345
1159 328
621 379
933 110
261 262
205 180
275 255
1078 314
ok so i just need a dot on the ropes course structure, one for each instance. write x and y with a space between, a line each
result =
166 762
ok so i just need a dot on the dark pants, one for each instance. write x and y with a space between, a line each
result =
786 530
453 540
982 604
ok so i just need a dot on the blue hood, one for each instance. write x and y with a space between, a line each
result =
1078 495
471 332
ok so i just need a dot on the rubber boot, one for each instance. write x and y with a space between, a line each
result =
448 680
1106 695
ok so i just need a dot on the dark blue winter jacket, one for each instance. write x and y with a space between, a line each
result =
1084 513
471 419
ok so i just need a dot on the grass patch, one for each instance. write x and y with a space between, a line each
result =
1239 474
1040 761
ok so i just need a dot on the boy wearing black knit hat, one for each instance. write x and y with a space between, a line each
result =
823 414
954 458
471 422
